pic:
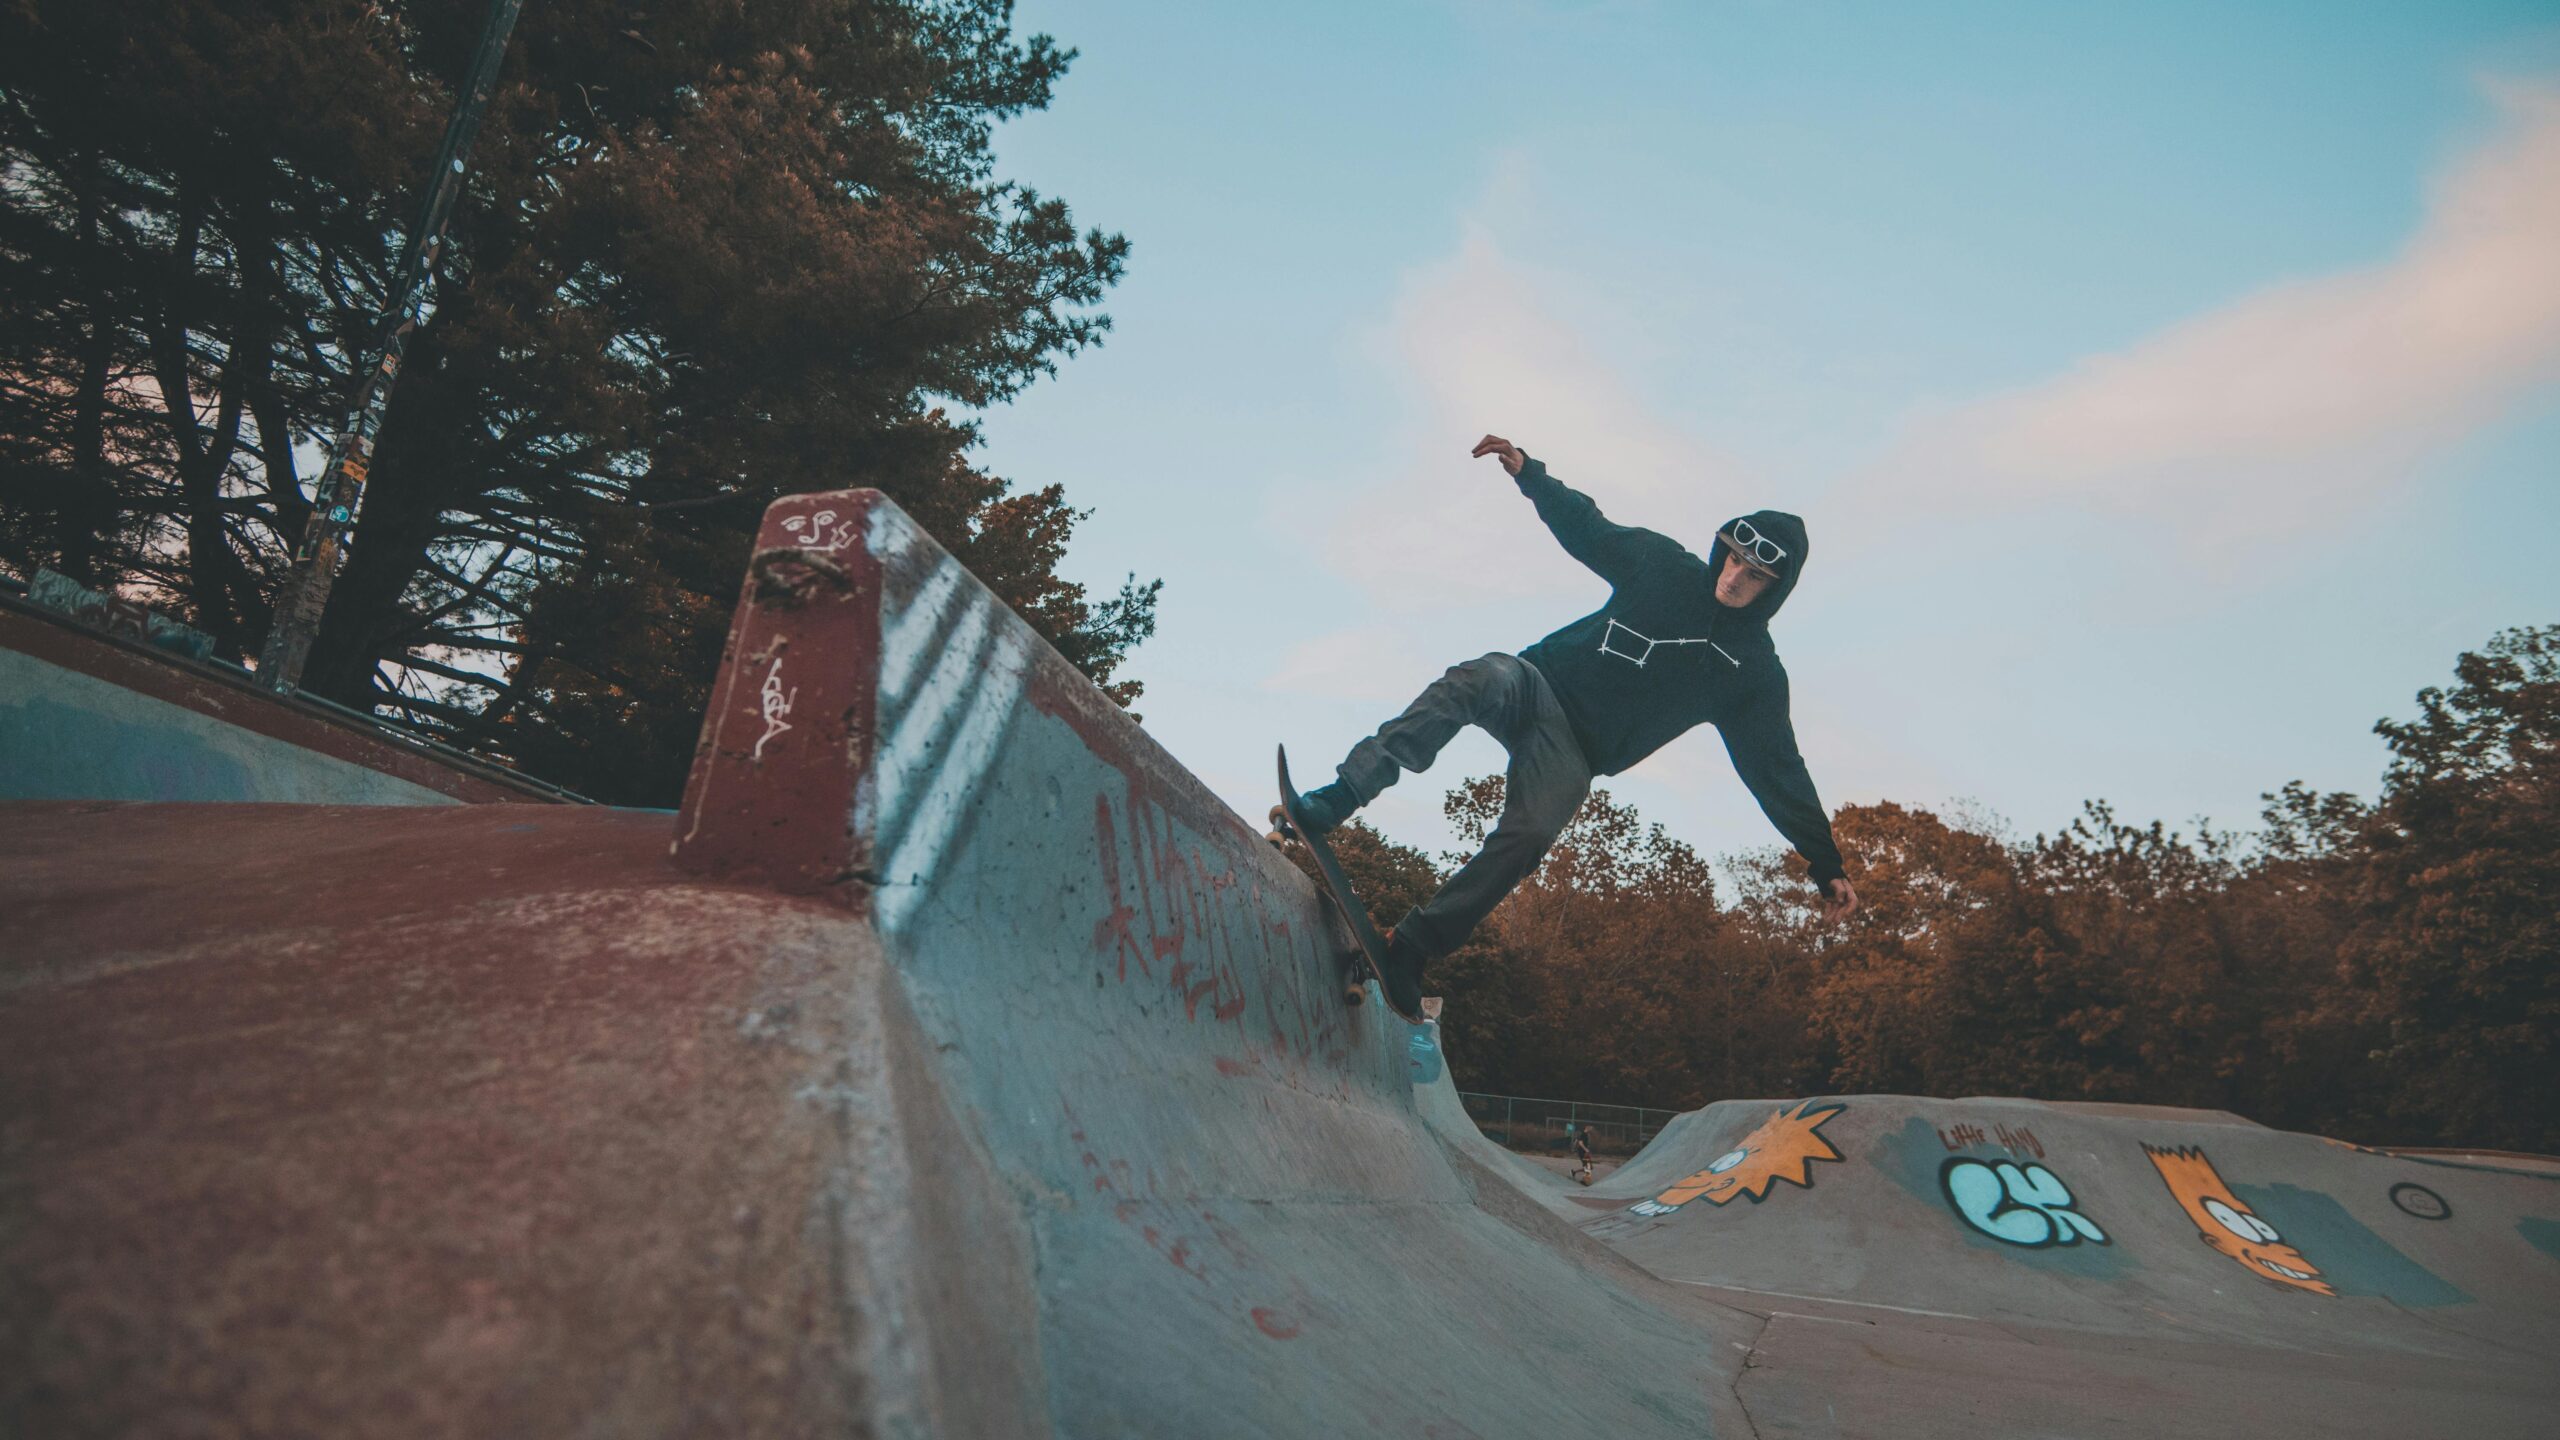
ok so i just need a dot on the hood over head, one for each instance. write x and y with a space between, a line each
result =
1789 534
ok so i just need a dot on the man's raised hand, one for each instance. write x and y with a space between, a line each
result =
1512 459
1839 900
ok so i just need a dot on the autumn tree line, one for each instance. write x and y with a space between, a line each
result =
2384 972
710 254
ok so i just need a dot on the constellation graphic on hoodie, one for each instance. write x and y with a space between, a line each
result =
1610 643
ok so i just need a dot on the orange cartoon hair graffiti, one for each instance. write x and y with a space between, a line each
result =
1785 1147
2228 1225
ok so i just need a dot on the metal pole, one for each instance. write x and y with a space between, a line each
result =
339 494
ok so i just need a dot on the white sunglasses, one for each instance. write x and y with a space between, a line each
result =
1752 543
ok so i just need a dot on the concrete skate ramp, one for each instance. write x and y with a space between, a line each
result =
2346 1275
1436 1100
968 1069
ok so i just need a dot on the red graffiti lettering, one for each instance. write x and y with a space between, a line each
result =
1142 847
1113 929
1301 1025
2021 1141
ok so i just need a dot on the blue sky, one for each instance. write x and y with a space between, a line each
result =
2170 392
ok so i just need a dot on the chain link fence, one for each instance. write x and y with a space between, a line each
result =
1526 1123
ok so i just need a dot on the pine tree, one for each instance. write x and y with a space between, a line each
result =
711 254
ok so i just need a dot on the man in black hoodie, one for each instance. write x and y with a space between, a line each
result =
1682 641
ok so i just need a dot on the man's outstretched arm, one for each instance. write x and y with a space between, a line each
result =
1612 551
1762 742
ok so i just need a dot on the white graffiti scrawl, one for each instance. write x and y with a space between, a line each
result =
2022 1205
820 534
775 705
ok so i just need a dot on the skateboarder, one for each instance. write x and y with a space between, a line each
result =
1582 1155
1683 641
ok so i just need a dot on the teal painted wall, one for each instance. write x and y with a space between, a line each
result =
68 736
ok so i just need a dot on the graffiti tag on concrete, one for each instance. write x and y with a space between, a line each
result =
2023 1205
2418 1200
1785 1147
2018 1141
821 533
774 705
1180 922
2227 1224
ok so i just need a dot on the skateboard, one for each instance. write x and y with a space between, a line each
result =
1287 824
1355 965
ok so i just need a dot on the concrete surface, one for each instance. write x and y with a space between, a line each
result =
956 1064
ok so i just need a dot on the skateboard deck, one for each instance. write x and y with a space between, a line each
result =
1372 947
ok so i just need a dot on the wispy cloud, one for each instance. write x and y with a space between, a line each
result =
1478 345
2301 401
1374 664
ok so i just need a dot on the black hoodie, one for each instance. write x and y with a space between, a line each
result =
1664 656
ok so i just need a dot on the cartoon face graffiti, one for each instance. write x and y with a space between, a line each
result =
2227 1224
1785 1147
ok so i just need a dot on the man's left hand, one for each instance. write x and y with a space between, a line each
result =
1839 900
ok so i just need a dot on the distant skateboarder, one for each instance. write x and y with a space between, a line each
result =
1582 1156
1682 642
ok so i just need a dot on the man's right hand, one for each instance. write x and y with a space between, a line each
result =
1512 459
1839 900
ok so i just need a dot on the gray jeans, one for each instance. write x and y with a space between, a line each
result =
1547 778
